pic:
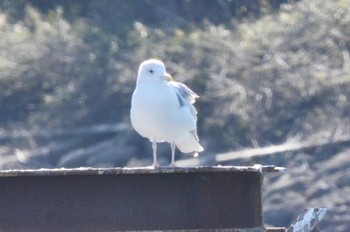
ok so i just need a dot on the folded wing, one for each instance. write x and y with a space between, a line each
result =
186 98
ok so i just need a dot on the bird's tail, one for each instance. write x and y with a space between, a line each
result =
189 143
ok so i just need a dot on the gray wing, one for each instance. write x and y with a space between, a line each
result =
185 96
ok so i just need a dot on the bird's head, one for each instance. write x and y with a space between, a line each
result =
153 70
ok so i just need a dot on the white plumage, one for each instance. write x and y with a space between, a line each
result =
162 110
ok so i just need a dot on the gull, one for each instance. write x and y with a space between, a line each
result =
162 110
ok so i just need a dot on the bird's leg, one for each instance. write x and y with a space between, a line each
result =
154 147
172 145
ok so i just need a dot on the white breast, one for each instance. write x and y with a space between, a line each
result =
157 115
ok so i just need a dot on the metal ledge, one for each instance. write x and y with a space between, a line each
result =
138 170
131 199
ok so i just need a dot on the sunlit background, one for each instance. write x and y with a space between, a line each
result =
267 73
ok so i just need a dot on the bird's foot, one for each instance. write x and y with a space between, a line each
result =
155 165
172 165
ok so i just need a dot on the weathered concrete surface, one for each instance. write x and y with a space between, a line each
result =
308 220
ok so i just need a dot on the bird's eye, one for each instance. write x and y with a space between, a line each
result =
150 71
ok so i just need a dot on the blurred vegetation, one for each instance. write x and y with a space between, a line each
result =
266 71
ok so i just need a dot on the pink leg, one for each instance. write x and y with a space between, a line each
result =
155 162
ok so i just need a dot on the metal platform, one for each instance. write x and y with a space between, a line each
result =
137 199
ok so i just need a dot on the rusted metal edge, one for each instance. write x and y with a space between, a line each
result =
138 170
257 229
207 200
308 220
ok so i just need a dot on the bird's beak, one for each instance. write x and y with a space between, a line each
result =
168 77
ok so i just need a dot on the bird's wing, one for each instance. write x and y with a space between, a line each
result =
185 96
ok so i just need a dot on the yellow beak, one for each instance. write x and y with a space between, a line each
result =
168 77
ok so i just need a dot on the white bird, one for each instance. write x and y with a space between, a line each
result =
162 110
